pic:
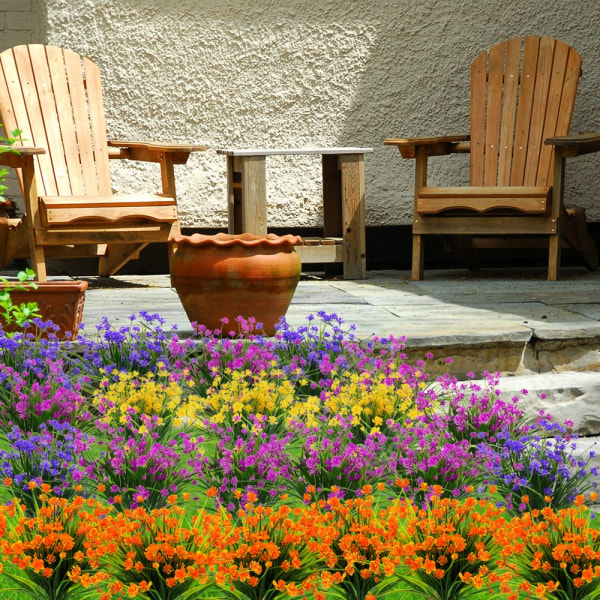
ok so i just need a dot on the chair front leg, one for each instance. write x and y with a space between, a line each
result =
30 196
555 242
418 250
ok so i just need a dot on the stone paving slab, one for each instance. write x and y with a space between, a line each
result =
314 293
513 324
368 320
446 324
378 289
591 311
547 321
119 304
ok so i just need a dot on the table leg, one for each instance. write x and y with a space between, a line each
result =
247 194
332 196
234 203
352 173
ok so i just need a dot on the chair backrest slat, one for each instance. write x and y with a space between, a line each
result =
64 119
565 90
524 106
509 109
76 83
495 86
45 92
555 87
19 109
512 114
538 110
97 124
478 102
49 129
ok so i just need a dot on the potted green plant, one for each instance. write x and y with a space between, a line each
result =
23 301
16 315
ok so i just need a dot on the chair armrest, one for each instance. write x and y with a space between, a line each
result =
578 143
152 151
436 146
15 156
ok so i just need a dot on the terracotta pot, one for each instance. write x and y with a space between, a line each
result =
58 301
228 276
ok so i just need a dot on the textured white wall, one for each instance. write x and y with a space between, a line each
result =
250 73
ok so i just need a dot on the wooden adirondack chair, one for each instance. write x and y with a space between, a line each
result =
54 97
522 98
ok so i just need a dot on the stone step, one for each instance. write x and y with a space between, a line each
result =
526 356
567 396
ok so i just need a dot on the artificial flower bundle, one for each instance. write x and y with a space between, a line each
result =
309 464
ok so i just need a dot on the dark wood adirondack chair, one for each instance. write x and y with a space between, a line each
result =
54 97
522 98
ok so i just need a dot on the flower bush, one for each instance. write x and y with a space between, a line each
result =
47 548
136 463
44 460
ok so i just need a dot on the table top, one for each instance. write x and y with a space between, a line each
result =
275 151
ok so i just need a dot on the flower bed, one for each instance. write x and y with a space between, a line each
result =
232 465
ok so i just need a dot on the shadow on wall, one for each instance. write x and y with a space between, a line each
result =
417 83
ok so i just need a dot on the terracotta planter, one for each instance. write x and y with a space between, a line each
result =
58 301
228 276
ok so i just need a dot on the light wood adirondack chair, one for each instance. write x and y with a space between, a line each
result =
54 97
522 98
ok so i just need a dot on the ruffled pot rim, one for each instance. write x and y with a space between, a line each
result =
249 240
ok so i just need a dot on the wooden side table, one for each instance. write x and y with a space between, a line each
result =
343 238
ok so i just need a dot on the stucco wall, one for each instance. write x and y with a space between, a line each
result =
250 73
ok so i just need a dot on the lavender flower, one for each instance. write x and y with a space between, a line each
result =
133 466
251 461
49 456
331 461
539 464
141 346
28 401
